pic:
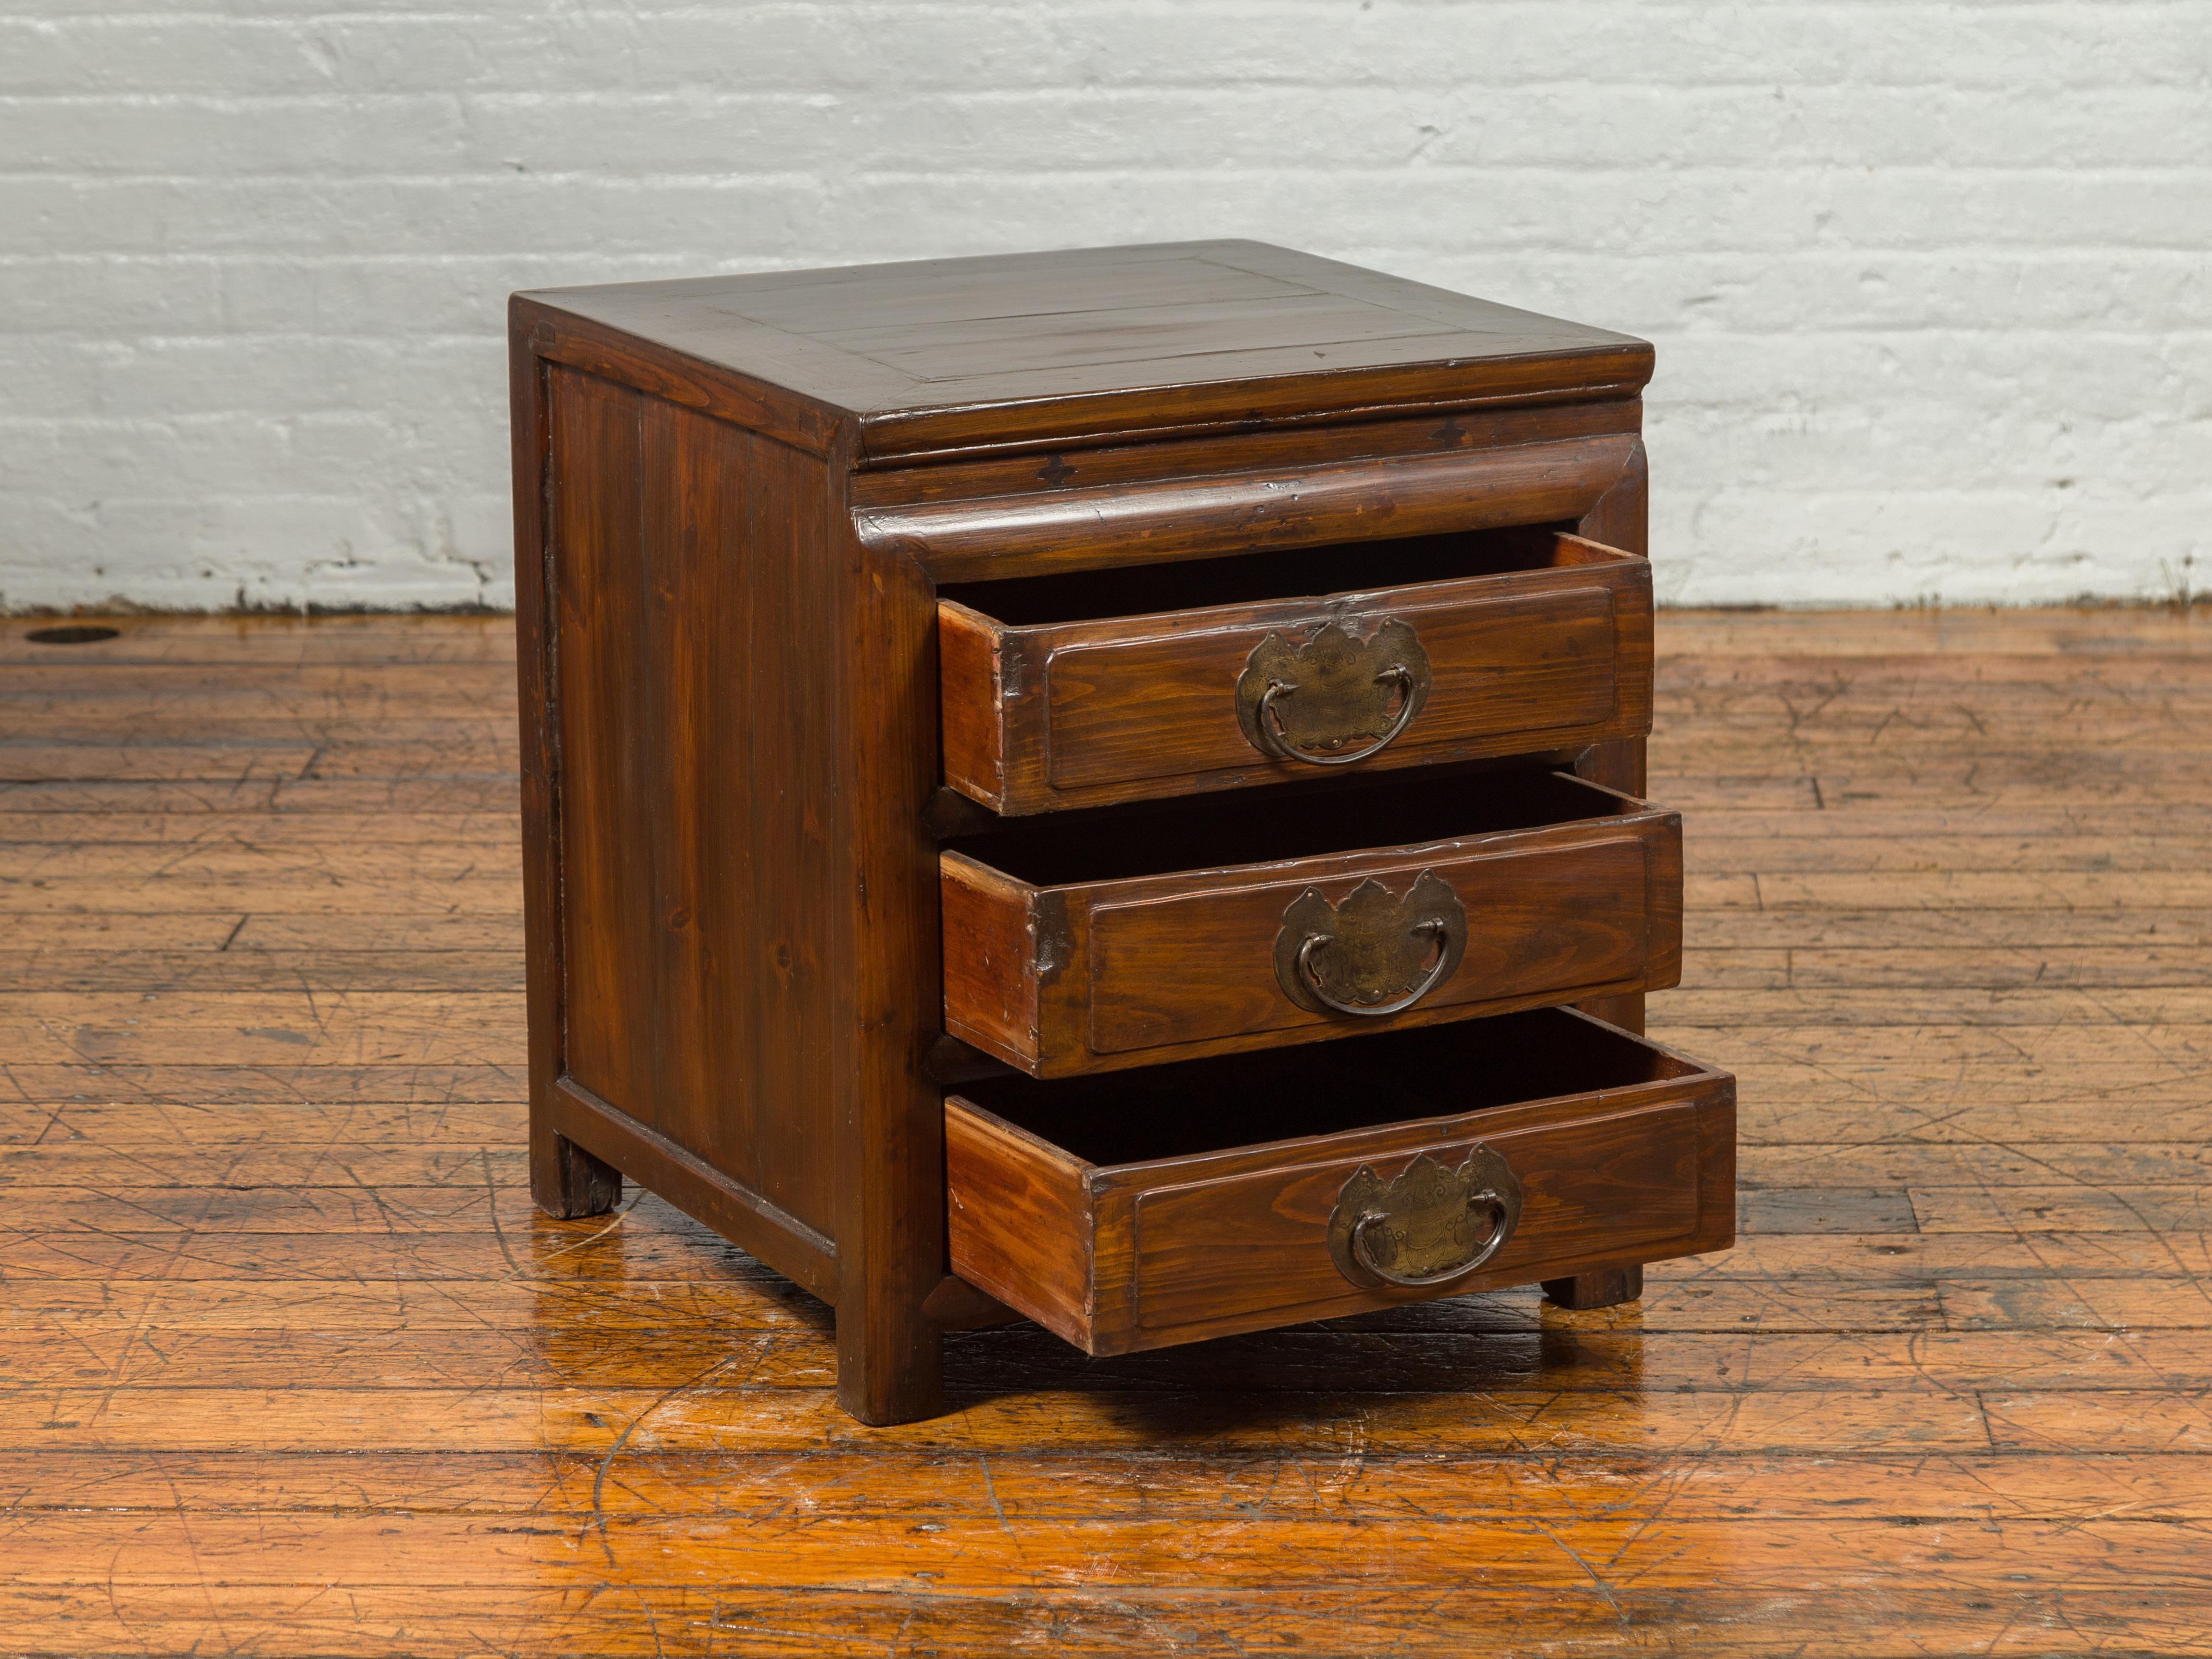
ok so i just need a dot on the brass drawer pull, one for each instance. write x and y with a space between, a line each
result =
1420 1231
1374 955
1306 702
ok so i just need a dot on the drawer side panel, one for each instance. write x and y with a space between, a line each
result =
972 698
1018 1222
990 960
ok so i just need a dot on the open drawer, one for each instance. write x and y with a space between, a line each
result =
1222 1195
1104 686
1076 945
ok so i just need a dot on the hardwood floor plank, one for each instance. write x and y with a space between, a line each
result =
1927 1165
736 1303
2110 1120
255 641
334 895
2055 1207
979 1555
619 1622
1828 1117
432 844
252 865
338 827
653 1243
1165 1483
1845 1047
1951 889
1938 1083
1726 853
2172 1006
289 794
708 1417
236 765
322 973
1501 1351
1853 821
285 1084
1993 968
229 1123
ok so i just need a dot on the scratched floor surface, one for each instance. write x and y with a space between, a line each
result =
293 1369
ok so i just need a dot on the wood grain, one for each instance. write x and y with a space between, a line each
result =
297 1369
1019 1219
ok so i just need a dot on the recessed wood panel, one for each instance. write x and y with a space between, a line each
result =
605 750
1560 919
1132 710
693 783
1221 1252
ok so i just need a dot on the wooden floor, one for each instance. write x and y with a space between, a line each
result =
292 1368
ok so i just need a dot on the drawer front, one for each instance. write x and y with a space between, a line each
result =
1219 1255
1125 1255
1521 666
1098 976
1540 661
1566 921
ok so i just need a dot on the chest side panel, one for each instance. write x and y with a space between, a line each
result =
695 781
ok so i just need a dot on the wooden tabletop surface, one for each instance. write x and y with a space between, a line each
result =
1036 348
293 1370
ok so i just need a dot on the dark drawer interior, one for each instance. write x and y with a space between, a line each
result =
1272 826
1276 573
1248 1101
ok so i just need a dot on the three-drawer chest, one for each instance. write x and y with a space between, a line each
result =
1102 786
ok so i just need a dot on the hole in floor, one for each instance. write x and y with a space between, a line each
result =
76 634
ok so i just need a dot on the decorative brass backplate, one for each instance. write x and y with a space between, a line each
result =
1374 954
1430 1226
1315 701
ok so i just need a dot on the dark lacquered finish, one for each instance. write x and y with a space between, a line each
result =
831 584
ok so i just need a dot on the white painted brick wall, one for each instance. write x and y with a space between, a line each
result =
1929 281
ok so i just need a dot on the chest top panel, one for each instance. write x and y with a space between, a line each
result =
1033 350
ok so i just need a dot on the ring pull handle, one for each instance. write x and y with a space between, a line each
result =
1276 740
1445 960
1363 1247
1374 955
1429 1227
1333 700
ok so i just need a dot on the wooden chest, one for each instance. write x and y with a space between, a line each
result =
1100 784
